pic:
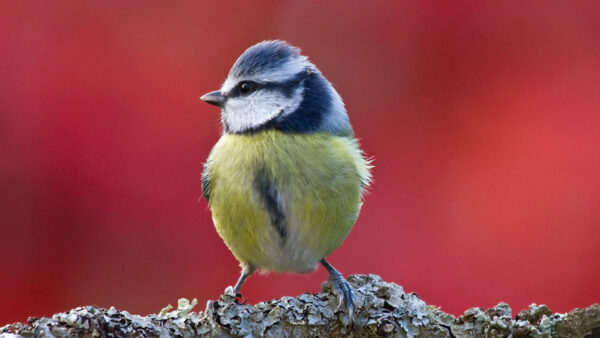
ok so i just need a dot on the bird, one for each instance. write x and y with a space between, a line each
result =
285 181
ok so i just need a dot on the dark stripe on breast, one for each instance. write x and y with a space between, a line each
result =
267 191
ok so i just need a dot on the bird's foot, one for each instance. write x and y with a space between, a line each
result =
346 295
343 289
230 294
239 299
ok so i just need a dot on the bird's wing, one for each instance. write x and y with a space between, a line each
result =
206 178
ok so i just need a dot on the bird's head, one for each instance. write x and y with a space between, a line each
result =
273 86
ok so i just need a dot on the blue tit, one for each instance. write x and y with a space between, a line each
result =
285 180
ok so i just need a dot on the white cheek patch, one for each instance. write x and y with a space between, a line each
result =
292 103
244 113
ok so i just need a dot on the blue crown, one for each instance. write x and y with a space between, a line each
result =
262 57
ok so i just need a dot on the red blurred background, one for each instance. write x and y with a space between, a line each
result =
483 119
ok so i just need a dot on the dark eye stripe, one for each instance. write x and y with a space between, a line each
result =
237 90
247 87
286 87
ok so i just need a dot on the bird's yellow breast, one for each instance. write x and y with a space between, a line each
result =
316 181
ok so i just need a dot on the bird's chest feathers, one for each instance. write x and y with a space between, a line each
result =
280 190
286 161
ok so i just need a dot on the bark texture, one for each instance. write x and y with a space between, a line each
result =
384 309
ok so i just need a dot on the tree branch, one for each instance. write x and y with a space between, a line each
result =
383 310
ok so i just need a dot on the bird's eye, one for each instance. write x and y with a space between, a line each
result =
246 87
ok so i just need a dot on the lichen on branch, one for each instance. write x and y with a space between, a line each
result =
383 309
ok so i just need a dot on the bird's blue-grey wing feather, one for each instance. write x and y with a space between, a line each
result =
206 180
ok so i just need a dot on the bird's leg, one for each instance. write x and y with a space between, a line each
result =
343 289
247 270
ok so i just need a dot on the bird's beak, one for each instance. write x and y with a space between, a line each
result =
215 98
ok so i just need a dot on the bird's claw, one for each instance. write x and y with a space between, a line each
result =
346 295
239 299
